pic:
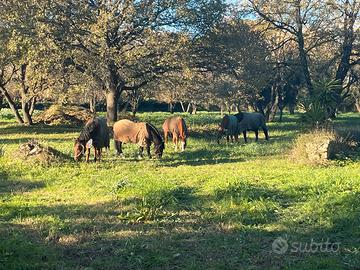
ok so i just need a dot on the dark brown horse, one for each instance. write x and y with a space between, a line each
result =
177 127
143 134
228 127
252 121
95 134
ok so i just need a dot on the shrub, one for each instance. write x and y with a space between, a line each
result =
320 106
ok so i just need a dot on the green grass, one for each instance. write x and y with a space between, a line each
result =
211 207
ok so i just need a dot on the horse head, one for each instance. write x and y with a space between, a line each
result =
159 149
79 149
159 144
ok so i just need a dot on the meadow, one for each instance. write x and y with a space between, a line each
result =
227 206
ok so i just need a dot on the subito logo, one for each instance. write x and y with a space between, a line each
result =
280 245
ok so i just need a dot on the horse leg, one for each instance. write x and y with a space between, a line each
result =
96 153
227 138
99 154
256 135
87 154
148 150
236 137
266 133
175 141
141 151
166 135
118 148
244 133
183 143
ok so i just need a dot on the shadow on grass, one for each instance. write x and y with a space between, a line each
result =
200 157
15 129
188 236
11 186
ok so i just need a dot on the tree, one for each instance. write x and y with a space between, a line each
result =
25 56
126 44
317 27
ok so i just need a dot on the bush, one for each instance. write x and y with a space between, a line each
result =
320 107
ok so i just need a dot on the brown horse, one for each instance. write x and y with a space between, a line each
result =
229 127
96 134
143 134
177 127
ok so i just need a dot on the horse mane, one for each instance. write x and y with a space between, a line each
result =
182 128
239 116
153 131
87 132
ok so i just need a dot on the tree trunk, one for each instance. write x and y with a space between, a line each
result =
125 107
281 114
182 106
357 104
171 107
194 109
188 107
32 106
346 50
347 44
302 53
92 104
12 105
25 100
134 105
270 109
112 97
1 101
272 112
111 106
26 113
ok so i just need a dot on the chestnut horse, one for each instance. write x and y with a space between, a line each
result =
228 127
96 134
143 134
177 127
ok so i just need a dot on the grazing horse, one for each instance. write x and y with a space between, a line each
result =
143 134
96 134
229 127
252 122
177 127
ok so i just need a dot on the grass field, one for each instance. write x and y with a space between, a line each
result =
211 207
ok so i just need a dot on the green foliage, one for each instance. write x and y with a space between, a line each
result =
322 104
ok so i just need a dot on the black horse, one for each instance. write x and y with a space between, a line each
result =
95 134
